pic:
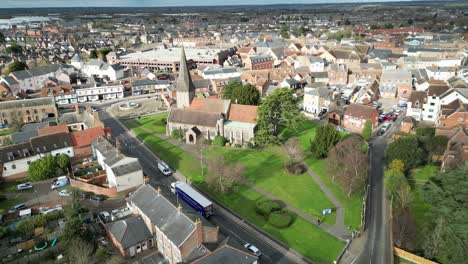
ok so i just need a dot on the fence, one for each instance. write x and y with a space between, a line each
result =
34 258
110 192
411 257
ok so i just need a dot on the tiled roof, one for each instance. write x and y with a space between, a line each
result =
243 113
360 111
210 105
52 130
86 137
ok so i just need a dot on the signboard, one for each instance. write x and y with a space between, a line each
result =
326 211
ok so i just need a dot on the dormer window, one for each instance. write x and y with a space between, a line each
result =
44 148
10 156
55 145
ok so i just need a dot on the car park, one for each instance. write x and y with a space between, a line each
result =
97 198
24 186
65 193
253 249
105 216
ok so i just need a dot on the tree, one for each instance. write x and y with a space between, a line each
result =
284 31
93 54
447 236
25 226
2 39
14 49
407 150
246 95
16 66
278 109
73 229
16 123
116 260
367 131
397 185
43 169
63 161
80 252
222 175
325 138
103 52
295 155
349 164
229 88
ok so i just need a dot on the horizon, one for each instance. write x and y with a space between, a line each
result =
181 3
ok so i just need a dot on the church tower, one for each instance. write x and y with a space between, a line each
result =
185 89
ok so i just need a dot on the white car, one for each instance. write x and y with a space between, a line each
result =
24 186
253 249
65 193
105 216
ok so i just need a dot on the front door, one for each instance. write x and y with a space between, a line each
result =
138 248
132 251
143 245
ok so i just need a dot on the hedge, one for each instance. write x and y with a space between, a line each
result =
280 219
265 207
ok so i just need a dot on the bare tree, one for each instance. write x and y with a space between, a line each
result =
80 252
293 150
349 164
222 175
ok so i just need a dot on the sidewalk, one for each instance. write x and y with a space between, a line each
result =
337 230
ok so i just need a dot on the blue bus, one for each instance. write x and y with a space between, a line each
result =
192 198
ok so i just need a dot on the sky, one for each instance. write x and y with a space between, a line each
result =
158 3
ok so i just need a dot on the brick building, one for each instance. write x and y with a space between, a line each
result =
356 115
27 111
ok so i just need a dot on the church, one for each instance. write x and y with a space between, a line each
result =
205 118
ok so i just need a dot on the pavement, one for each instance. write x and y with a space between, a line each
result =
273 252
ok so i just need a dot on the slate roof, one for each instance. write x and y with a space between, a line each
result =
184 82
23 136
194 117
27 103
127 168
129 232
169 219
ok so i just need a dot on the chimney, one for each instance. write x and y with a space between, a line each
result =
117 147
199 230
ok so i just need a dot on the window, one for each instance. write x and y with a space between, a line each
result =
4 168
13 166
29 162
431 110
432 104
429 116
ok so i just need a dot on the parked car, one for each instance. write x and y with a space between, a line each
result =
65 193
253 249
24 186
59 182
17 208
384 128
105 216
164 168
46 210
97 198
85 195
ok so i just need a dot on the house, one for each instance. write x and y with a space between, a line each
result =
27 111
259 62
317 98
346 57
206 118
63 94
395 83
178 231
366 93
441 73
338 74
291 84
130 236
356 115
82 141
11 83
77 121
454 114
220 73
101 69
321 77
17 157
408 125
456 152
35 78
93 93
150 86
123 173
433 104
415 105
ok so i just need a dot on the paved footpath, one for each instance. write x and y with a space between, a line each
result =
337 230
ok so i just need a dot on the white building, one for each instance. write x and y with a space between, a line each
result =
316 98
96 93
35 78
220 73
16 158
99 68
123 173
441 73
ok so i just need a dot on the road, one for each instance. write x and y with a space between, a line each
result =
378 245
132 146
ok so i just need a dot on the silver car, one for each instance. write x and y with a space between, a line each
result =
24 186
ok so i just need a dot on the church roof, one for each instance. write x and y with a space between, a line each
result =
184 82
194 117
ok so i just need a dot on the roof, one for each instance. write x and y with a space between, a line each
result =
212 105
184 82
243 113
360 111
52 130
23 136
418 97
27 103
399 74
129 232
175 225
86 137
194 117
127 168
228 255
437 89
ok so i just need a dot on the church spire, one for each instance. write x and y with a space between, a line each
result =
184 81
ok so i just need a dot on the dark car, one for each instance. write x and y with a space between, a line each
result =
97 198
85 195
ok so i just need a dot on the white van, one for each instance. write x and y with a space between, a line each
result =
164 168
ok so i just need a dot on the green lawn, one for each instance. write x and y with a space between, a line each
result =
302 236
7 204
154 123
352 205
266 170
5 132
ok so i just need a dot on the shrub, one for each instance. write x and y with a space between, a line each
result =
54 215
25 226
425 131
101 252
40 220
265 207
163 121
2 197
295 167
238 145
219 141
177 134
280 219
